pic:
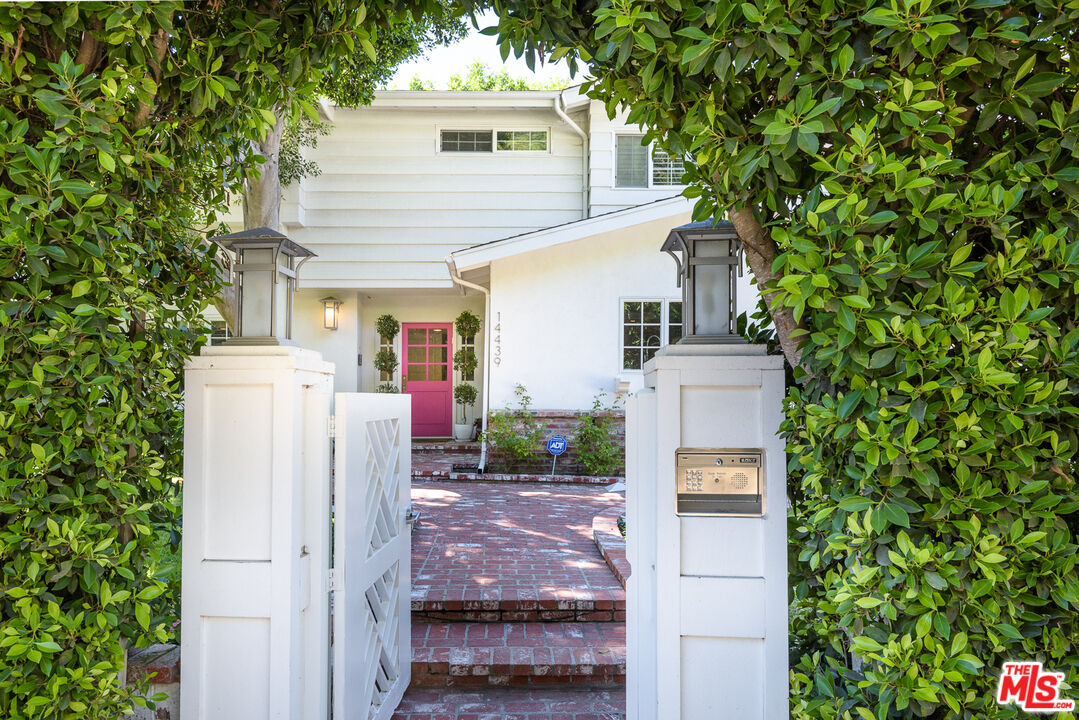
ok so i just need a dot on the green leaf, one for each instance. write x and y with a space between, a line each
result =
142 614
751 13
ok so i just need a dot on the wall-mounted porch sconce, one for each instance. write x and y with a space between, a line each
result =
265 269
709 259
331 309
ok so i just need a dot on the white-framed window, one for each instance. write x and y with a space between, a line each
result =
644 166
647 325
534 140
219 332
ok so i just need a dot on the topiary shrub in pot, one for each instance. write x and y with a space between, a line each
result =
465 396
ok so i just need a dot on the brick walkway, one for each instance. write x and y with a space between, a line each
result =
513 704
515 614
517 546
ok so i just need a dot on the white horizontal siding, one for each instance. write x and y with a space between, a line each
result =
422 183
603 196
446 238
388 207
426 201
430 218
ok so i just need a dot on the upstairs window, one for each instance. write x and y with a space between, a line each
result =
631 161
644 166
666 169
522 140
466 140
494 140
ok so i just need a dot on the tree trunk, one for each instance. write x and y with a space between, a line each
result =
760 252
262 195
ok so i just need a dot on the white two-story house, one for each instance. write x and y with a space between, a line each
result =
533 210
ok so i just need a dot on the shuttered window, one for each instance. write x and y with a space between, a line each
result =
631 161
644 166
666 169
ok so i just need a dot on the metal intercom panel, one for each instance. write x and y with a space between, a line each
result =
719 481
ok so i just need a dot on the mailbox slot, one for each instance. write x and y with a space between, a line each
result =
713 482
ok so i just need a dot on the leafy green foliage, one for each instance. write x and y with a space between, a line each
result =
481 76
300 133
465 362
465 395
514 435
593 442
387 388
903 175
356 78
386 360
387 327
467 324
122 127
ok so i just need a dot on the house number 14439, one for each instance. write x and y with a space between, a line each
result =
496 352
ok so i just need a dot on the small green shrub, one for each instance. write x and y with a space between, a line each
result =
467 325
387 327
387 388
465 362
465 395
514 435
386 360
596 449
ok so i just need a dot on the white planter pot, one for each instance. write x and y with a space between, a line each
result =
462 433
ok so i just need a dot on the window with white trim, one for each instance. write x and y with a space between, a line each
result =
644 166
219 332
494 141
648 325
466 141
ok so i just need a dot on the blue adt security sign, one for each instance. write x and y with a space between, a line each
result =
556 445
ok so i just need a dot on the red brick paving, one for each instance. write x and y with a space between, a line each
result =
518 653
511 547
513 704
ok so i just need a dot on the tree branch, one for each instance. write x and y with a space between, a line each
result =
760 252
161 46
89 54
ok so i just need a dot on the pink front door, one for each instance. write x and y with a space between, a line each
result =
428 379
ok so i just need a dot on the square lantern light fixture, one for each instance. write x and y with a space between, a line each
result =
331 309
709 259
265 268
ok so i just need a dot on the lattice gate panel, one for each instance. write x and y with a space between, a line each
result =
372 561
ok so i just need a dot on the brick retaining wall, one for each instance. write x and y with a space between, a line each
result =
565 423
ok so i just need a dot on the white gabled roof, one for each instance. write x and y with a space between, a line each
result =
480 255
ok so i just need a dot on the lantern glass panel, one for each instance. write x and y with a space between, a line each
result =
258 293
329 321
712 289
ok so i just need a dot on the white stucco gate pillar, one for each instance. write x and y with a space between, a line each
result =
707 600
255 615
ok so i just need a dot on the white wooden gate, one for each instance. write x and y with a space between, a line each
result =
372 559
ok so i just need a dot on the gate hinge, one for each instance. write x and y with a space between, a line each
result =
331 427
331 580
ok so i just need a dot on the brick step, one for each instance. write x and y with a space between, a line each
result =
516 654
430 473
423 446
518 605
